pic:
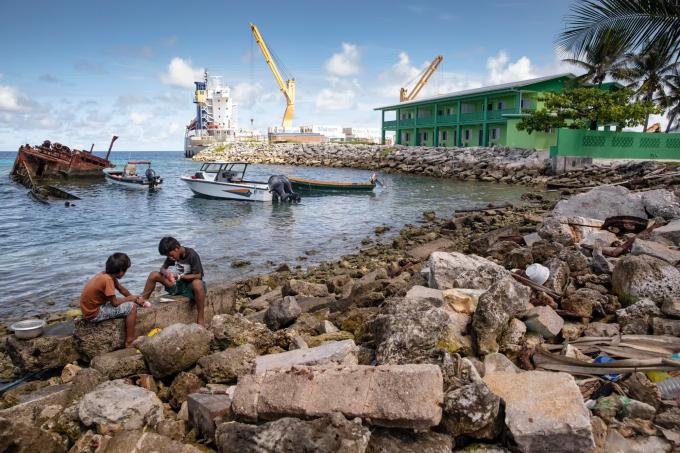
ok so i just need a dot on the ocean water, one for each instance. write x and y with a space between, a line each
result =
50 251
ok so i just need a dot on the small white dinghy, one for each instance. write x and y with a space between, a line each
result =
129 177
227 180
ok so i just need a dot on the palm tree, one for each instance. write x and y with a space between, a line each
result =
605 57
647 71
672 98
640 21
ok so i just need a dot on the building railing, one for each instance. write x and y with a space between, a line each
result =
471 117
616 145
445 119
407 123
498 114
390 124
425 121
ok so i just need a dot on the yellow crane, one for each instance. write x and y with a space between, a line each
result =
287 87
404 95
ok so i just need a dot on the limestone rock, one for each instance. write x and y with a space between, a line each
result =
41 353
137 441
513 335
554 230
18 436
661 203
336 353
661 326
463 300
469 409
519 258
505 299
641 388
583 302
115 406
86 380
393 440
204 409
326 434
657 250
92 339
497 362
551 417
671 307
69 371
418 294
399 396
119 364
303 288
183 385
175 348
559 275
600 203
457 270
226 366
544 321
601 329
638 277
235 330
637 318
282 313
670 233
326 327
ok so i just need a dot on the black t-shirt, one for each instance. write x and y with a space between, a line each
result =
189 264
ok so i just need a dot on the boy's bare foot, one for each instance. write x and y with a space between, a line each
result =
200 322
129 344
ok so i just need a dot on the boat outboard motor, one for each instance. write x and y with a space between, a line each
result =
151 177
281 189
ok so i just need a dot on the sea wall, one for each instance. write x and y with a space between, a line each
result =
497 164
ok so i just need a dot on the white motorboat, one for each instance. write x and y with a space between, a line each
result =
130 179
227 180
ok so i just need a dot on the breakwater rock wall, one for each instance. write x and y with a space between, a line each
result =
498 164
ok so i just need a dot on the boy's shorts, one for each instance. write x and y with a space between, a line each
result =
183 288
109 311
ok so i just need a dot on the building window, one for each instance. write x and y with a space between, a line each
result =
449 111
467 134
407 137
526 103
489 107
440 112
424 136
501 105
495 133
443 135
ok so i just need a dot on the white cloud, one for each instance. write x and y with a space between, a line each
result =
502 70
13 100
139 118
341 95
180 73
345 63
246 94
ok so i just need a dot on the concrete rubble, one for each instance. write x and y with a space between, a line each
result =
429 339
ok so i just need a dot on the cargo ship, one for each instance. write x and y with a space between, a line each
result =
215 120
57 161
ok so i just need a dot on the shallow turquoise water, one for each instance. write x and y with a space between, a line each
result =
49 252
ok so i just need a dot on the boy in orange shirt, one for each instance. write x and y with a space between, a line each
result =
98 301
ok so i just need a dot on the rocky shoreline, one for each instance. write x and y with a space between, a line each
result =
496 164
426 341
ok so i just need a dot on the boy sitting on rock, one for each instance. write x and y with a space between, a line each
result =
98 301
188 281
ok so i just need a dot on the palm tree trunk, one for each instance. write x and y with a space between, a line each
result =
671 120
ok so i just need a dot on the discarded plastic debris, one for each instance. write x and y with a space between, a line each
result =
670 388
606 359
538 273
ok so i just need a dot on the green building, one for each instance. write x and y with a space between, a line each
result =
484 116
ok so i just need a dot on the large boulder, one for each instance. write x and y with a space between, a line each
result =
326 434
282 313
410 329
41 353
138 441
119 364
638 277
95 338
636 319
225 367
469 410
657 250
583 302
504 300
234 330
332 353
175 348
397 396
302 288
669 233
600 203
115 406
19 436
182 386
544 411
457 270
385 440
661 203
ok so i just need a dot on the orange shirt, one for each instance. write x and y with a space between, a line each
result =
97 292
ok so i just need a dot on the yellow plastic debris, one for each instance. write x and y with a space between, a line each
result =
153 332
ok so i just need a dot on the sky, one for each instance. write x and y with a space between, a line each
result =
78 72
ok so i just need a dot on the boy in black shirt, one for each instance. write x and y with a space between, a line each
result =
188 281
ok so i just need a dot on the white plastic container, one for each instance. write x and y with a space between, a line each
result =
29 328
537 273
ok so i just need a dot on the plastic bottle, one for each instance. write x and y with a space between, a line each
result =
670 388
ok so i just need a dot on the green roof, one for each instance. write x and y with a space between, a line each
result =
512 86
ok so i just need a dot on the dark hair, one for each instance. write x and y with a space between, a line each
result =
167 245
118 262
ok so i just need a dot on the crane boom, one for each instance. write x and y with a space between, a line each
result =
404 95
287 87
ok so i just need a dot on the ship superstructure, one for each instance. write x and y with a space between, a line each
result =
215 121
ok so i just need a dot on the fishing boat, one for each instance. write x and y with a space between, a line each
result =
312 185
226 180
131 179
